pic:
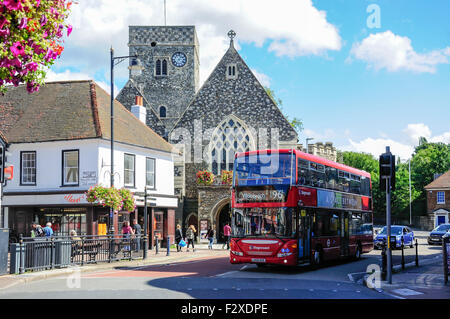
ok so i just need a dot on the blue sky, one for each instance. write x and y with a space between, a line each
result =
358 86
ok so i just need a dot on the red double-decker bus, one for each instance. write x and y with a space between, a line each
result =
293 208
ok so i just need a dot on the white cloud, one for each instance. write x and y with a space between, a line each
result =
413 132
324 136
68 75
293 28
264 79
392 52
378 146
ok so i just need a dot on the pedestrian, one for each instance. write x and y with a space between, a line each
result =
48 230
74 236
37 230
127 231
227 235
190 235
137 233
178 237
210 236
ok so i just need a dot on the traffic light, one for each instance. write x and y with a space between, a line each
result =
387 170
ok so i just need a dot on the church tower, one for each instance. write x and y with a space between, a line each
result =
169 59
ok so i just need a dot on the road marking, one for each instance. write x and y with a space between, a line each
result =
225 273
407 292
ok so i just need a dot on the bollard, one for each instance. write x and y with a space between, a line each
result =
403 254
156 245
22 255
168 246
383 262
417 254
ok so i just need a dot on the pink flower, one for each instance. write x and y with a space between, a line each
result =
69 29
43 20
23 23
3 21
32 66
17 49
4 33
12 4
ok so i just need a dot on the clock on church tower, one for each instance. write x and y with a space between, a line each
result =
179 59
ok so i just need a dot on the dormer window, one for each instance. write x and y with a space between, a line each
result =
231 71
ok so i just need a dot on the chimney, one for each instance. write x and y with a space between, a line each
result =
139 110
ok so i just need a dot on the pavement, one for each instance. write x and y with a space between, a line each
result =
423 282
201 252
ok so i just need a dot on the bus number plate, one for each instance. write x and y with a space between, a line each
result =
258 260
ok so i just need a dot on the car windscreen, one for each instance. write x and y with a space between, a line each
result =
394 230
443 228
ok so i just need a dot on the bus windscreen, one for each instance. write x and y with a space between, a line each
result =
264 169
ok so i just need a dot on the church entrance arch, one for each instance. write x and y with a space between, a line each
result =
222 213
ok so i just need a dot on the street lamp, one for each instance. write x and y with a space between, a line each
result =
136 69
307 146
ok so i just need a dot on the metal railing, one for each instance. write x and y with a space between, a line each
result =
43 253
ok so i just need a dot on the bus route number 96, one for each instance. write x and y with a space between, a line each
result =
246 308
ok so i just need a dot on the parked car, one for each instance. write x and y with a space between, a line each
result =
436 234
397 232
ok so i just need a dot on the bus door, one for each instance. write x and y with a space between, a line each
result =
304 235
344 234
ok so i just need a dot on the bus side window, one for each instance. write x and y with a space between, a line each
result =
304 177
331 178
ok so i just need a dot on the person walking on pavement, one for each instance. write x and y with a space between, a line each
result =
210 236
137 232
178 237
48 230
227 235
190 235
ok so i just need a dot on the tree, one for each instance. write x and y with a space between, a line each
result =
31 33
296 123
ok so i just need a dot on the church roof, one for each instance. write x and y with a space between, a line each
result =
243 96
71 110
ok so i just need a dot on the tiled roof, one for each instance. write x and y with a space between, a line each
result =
442 181
70 110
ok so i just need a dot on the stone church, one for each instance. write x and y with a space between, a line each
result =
231 112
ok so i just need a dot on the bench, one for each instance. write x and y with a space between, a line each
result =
89 249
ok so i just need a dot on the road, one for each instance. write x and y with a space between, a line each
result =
213 277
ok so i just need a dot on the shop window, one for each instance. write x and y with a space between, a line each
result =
70 167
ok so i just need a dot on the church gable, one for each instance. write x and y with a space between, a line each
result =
233 89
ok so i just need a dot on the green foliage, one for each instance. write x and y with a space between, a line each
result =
428 159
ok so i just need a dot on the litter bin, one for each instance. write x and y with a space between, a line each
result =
63 251
4 241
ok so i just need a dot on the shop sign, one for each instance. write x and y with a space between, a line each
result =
88 178
75 198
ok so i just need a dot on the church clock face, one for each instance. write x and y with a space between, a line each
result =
179 59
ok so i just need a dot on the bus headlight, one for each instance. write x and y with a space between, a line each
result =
238 253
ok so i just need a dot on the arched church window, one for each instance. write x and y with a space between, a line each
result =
158 67
162 111
164 67
229 137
